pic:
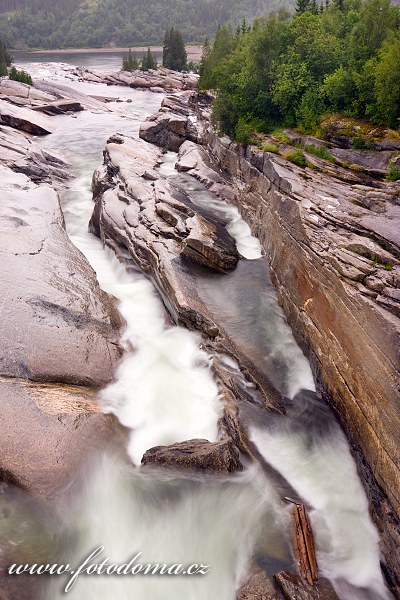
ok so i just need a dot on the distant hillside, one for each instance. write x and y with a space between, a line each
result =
101 23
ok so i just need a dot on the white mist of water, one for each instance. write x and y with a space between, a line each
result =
169 520
325 476
248 245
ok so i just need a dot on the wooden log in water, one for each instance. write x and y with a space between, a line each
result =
304 544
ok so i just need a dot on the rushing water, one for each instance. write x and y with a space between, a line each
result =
164 392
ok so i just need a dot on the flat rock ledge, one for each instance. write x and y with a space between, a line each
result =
25 119
59 332
56 324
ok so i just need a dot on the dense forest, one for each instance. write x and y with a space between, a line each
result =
101 23
290 70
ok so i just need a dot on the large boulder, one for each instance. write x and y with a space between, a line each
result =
56 324
196 455
47 431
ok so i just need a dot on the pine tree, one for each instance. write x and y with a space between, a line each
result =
5 56
166 48
205 56
148 61
130 62
174 52
3 69
302 6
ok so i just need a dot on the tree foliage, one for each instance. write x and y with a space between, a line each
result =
21 76
129 61
149 62
125 23
289 70
174 51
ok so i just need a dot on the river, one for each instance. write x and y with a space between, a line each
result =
165 392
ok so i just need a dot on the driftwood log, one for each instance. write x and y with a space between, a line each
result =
304 544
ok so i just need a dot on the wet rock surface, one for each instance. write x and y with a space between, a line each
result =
45 431
171 126
19 152
258 587
196 455
56 323
161 80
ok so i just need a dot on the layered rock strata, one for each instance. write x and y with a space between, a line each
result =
173 241
332 239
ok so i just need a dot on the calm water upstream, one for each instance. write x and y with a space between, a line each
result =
165 392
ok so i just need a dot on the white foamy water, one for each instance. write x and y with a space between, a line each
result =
325 476
247 244
164 392
169 520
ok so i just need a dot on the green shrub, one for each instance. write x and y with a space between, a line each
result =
270 148
244 132
320 151
393 173
297 157
3 69
279 136
21 76
359 143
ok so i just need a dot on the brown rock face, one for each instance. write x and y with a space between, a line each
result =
294 588
46 430
209 245
196 455
56 324
24 119
332 240
335 262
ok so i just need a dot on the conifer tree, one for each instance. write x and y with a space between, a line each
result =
302 6
130 62
148 61
3 69
5 56
174 52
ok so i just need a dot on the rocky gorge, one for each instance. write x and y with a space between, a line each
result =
332 239
328 236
